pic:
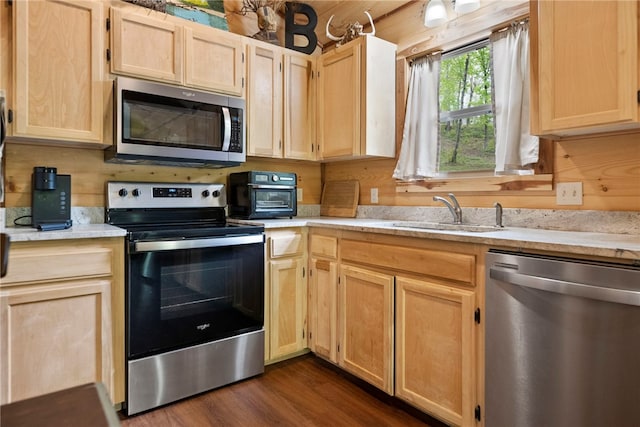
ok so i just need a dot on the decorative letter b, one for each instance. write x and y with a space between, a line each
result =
307 31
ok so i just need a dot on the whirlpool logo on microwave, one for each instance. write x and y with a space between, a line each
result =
203 326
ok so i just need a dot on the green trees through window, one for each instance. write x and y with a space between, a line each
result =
467 135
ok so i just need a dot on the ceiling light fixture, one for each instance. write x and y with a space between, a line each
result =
435 13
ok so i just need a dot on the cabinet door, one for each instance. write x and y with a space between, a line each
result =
147 47
339 102
587 71
435 349
58 70
323 308
299 111
288 307
54 336
366 325
214 61
264 101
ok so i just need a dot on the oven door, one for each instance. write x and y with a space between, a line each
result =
186 292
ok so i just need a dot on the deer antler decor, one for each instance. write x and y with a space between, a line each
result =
266 11
353 31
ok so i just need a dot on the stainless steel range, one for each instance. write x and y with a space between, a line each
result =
194 291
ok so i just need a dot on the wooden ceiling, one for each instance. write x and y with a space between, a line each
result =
345 13
400 22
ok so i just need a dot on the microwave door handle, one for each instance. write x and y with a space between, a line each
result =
226 136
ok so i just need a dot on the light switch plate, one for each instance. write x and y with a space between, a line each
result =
299 194
569 193
374 195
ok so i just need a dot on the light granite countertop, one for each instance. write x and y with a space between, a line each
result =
622 246
80 231
611 245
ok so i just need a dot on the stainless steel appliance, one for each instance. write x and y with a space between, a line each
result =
171 125
562 342
260 195
194 291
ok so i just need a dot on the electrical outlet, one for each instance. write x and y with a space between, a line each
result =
569 193
299 194
374 195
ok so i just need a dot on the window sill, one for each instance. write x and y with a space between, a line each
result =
526 183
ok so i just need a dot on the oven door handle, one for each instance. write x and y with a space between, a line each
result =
214 242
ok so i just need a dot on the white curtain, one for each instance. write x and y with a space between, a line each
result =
515 146
419 151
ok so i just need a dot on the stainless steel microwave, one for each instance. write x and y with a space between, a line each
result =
172 125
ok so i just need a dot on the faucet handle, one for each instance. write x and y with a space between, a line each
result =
498 207
454 200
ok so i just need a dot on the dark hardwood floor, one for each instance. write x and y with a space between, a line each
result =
305 391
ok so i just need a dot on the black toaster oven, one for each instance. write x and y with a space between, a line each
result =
262 195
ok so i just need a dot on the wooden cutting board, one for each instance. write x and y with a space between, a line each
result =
340 198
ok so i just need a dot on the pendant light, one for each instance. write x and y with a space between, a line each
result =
465 6
435 13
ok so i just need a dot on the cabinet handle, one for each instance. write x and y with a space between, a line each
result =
303 272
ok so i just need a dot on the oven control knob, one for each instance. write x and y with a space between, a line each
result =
123 192
215 193
135 192
275 178
205 193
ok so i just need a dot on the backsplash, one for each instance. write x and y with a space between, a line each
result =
622 222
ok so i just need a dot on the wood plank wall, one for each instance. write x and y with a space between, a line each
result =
607 166
89 173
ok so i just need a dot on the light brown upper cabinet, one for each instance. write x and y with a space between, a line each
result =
280 99
585 70
58 71
156 46
356 100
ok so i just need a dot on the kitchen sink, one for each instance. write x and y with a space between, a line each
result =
446 226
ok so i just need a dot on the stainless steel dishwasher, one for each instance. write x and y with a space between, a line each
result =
562 342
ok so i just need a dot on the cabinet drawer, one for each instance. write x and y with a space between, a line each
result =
441 264
324 246
285 243
52 263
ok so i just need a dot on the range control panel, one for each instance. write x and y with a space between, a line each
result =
132 195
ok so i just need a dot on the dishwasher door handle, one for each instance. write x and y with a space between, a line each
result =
621 296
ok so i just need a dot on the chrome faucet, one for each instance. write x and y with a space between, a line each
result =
454 207
498 207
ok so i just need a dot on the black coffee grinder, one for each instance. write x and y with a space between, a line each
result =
50 199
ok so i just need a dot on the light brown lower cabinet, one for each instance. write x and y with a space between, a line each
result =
285 294
323 305
365 347
61 318
407 313
435 349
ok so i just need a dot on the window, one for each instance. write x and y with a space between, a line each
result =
466 128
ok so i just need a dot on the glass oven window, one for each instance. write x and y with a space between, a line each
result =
270 200
184 297
158 120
